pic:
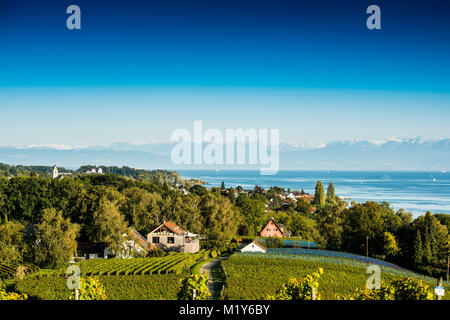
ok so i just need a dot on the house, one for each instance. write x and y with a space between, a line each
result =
89 250
291 196
170 237
271 229
94 170
254 246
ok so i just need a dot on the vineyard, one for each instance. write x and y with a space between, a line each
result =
335 256
254 275
172 263
9 271
146 287
124 279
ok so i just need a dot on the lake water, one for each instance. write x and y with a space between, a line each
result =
417 192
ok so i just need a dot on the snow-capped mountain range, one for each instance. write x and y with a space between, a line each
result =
387 154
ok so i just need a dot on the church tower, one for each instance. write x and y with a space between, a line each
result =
55 172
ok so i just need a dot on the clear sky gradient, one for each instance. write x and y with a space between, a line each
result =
139 69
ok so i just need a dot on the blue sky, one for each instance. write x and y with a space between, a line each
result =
139 69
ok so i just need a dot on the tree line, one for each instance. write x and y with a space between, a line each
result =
42 218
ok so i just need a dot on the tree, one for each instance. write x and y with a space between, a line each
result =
220 221
12 244
142 208
330 220
253 212
232 195
319 196
197 282
435 239
418 250
109 225
361 221
405 216
304 207
3 214
444 219
222 186
55 239
390 247
198 189
427 253
331 196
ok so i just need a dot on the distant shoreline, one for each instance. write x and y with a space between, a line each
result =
415 191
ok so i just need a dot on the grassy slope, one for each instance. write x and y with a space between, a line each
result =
251 277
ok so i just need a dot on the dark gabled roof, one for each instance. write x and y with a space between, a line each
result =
90 247
271 219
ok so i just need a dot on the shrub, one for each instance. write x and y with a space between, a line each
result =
411 289
10 295
385 292
400 289
197 282
156 252
274 243
296 289
90 289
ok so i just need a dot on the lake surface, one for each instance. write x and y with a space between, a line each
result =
417 192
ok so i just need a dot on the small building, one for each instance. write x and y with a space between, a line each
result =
254 246
170 237
89 250
271 229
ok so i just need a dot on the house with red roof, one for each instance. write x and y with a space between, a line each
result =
170 237
271 229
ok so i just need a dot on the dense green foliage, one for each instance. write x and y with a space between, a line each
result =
299 289
399 289
90 289
55 239
422 245
10 295
331 194
319 195
100 208
43 218
154 176
194 287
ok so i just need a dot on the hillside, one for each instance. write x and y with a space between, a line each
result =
254 275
